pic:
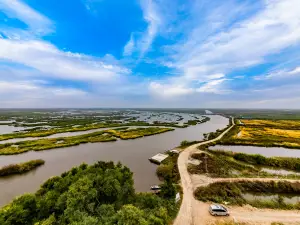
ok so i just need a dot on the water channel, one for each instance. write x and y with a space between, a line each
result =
132 153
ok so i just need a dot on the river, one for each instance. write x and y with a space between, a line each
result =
132 153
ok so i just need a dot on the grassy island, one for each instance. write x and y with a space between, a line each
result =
100 136
21 167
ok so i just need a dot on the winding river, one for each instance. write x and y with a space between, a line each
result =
132 153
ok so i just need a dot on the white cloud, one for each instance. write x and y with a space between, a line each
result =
213 86
169 91
32 94
295 71
280 74
33 87
151 15
247 42
37 22
53 62
24 47
208 56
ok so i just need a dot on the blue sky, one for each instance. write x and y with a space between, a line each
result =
150 53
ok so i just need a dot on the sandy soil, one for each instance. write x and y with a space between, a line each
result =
194 212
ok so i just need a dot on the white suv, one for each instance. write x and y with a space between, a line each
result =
218 210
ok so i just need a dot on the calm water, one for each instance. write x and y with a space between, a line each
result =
6 129
132 153
268 152
289 199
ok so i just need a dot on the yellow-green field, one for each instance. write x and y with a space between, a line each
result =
273 123
282 133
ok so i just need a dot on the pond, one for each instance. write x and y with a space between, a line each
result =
287 198
268 152
6 129
132 153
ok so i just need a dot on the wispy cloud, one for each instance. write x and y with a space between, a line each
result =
141 42
280 74
51 61
38 23
237 43
214 86
129 47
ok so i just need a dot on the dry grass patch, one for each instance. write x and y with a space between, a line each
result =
263 136
283 133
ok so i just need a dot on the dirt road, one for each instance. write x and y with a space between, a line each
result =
194 212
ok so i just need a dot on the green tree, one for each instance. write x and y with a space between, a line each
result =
130 215
168 190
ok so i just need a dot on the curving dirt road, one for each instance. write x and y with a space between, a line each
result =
194 212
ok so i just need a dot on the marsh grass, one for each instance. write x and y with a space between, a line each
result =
220 166
138 132
259 160
262 136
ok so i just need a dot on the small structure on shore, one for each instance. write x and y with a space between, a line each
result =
158 158
175 151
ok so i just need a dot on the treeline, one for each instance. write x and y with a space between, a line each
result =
21 167
256 159
99 194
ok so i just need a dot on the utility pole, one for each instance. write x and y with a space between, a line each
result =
205 157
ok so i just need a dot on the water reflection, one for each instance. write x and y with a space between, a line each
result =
288 199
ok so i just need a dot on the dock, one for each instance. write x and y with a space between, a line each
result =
157 159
